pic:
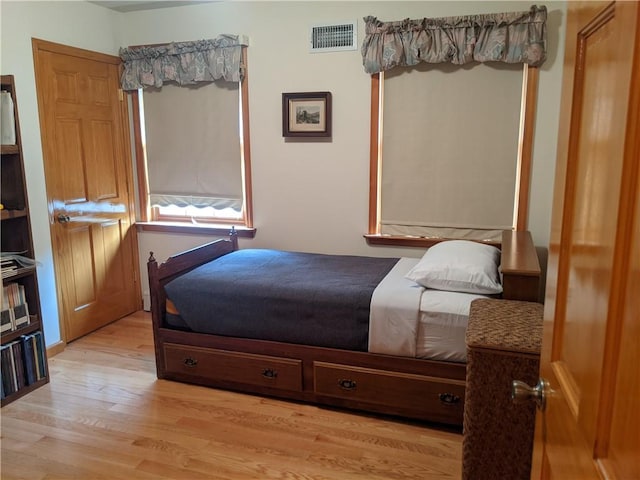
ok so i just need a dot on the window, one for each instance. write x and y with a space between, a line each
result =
451 146
450 152
193 155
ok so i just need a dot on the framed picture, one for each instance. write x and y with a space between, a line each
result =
306 114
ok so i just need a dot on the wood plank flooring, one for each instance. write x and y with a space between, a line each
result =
105 415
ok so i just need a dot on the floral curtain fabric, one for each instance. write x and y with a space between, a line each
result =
183 62
516 37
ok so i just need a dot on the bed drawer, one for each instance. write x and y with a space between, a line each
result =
406 392
231 367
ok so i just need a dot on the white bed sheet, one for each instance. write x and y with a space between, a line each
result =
393 315
409 320
442 325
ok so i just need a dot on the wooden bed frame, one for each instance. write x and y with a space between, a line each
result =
401 386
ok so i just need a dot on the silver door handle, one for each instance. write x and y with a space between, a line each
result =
521 392
62 218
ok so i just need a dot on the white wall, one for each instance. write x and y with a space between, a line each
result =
308 196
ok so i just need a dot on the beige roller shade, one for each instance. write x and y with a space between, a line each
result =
193 145
450 146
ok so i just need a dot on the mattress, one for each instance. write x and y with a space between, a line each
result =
401 317
291 297
412 321
442 325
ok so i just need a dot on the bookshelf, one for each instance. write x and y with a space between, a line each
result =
22 351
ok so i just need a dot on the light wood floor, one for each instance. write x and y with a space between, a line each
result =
105 415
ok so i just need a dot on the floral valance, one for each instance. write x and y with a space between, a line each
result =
183 62
516 37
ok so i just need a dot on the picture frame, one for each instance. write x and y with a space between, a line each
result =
306 114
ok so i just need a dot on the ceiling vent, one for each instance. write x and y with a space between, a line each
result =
333 38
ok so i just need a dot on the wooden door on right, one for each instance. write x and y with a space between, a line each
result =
591 426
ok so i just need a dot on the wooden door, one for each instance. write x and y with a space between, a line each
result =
88 176
591 426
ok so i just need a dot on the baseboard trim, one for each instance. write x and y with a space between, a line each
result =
56 348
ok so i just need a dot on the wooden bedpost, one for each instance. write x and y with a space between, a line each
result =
155 292
233 236
157 311
152 271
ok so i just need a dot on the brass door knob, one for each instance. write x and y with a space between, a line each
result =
521 392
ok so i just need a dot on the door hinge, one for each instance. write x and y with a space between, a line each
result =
120 94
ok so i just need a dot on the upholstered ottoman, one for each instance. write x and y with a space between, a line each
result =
503 344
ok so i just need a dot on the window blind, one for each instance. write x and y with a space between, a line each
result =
449 147
193 145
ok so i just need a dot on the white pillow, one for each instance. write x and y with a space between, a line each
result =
459 266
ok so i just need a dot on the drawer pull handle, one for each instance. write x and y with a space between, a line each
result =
449 399
347 384
269 373
190 362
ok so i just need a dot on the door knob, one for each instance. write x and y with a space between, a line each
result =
62 218
521 392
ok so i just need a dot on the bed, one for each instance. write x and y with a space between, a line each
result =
376 358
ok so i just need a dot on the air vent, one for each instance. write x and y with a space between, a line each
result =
333 38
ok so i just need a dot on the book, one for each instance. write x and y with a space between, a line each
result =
7 370
18 258
21 315
18 360
12 369
8 268
14 307
29 359
4 303
41 354
36 358
11 295
7 322
8 128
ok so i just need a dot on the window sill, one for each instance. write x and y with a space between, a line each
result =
201 229
406 241
400 241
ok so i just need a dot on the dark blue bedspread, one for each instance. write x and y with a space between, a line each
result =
305 298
